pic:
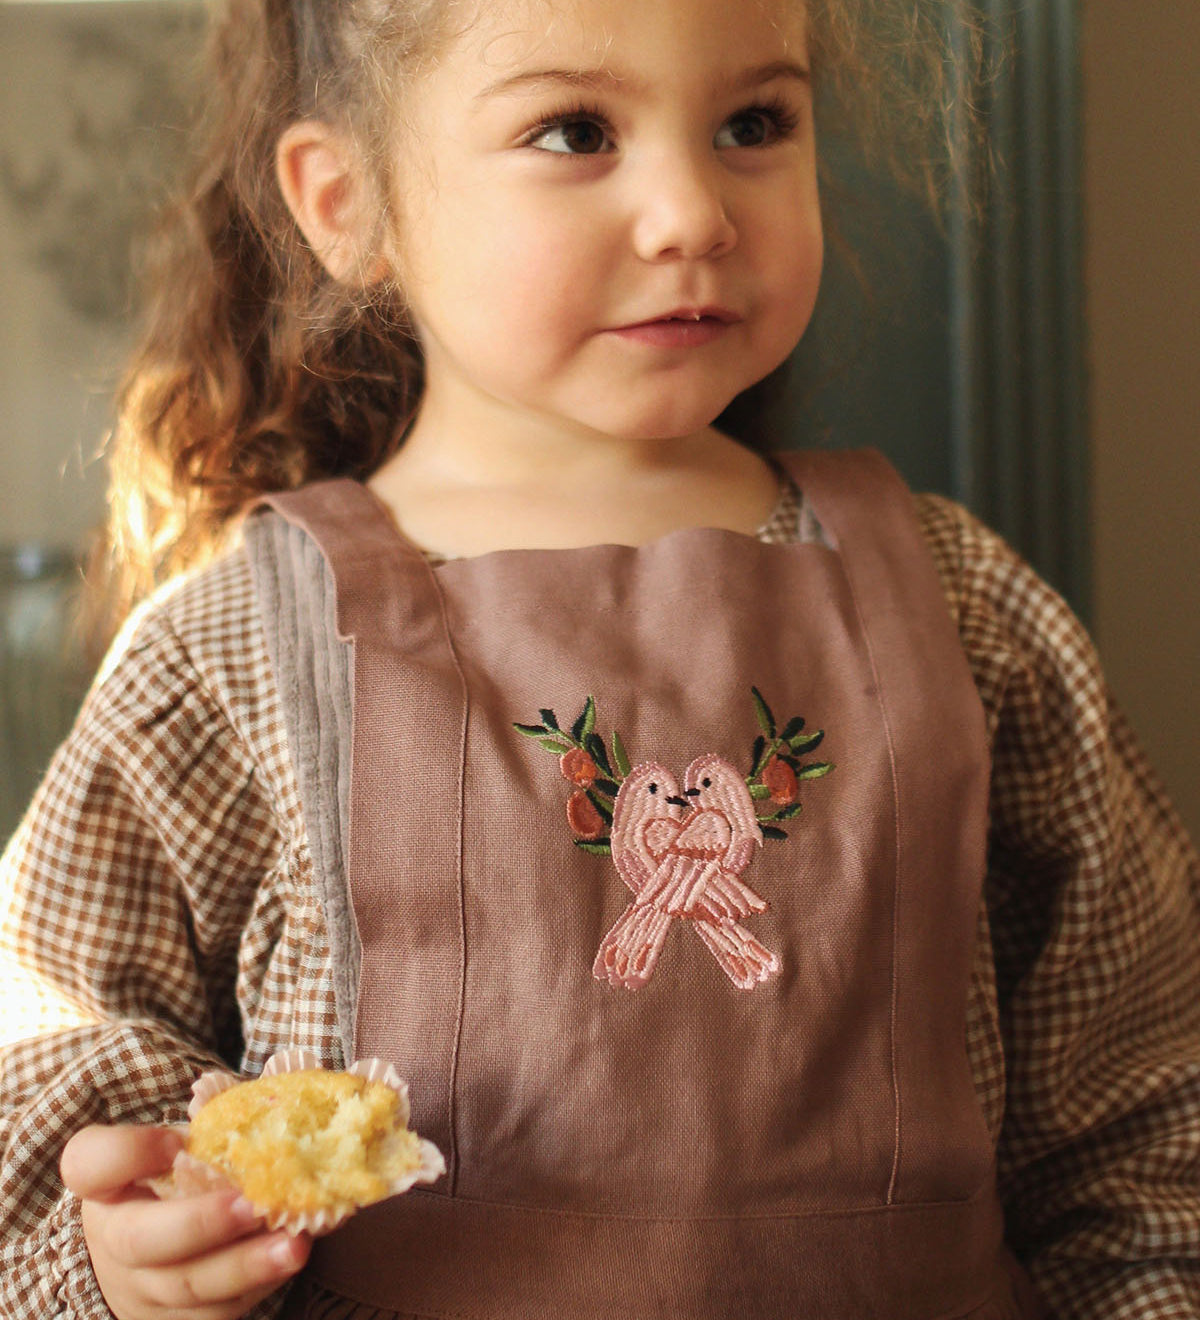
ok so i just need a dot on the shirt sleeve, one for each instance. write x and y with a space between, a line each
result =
147 851
1093 899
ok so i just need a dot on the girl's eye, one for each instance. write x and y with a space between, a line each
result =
571 137
757 126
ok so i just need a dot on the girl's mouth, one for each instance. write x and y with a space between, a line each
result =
685 328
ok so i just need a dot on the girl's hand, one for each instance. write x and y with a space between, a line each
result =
198 1258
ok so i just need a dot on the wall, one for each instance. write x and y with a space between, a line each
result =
90 101
1142 124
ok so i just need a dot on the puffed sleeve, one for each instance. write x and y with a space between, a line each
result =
1094 907
143 857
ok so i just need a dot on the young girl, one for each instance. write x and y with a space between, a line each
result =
482 745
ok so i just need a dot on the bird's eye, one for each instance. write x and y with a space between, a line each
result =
706 783
653 788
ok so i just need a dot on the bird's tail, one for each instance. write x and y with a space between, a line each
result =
629 952
740 956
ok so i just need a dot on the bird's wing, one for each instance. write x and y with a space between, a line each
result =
705 834
632 868
659 834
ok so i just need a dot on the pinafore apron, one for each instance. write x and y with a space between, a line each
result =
665 865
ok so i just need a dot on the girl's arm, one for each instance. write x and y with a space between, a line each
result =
154 884
1094 911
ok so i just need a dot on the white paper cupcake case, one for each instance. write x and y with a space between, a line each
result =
190 1176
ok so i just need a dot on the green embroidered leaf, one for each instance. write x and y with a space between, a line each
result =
791 729
620 755
787 813
815 771
555 745
548 718
766 721
601 806
594 745
770 832
759 792
531 730
608 787
597 847
586 723
807 743
756 756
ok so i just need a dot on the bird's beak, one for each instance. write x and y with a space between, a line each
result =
680 802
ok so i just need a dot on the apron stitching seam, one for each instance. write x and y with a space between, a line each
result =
460 1011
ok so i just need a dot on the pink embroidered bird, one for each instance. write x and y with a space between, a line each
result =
682 855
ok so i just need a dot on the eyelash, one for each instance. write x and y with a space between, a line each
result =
782 121
580 113
781 116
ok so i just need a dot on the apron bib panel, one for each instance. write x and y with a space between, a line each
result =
666 863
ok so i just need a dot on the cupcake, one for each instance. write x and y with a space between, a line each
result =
307 1147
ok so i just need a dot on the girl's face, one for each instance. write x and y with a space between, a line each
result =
608 212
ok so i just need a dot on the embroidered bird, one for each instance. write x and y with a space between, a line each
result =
681 854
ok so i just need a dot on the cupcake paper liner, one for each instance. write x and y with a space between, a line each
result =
190 1176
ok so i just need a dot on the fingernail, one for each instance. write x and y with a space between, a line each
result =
285 1254
243 1212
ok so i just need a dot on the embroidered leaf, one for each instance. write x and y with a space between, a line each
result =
808 743
555 744
608 787
766 720
537 731
791 729
548 718
815 771
601 806
597 847
770 832
620 755
756 756
586 723
786 813
594 744
759 792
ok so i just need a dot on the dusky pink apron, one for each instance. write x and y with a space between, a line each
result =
666 864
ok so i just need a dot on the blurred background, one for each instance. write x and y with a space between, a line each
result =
1043 365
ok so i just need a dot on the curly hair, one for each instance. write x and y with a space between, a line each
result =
257 372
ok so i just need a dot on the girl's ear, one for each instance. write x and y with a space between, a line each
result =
322 182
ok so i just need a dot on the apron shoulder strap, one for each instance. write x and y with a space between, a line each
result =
313 669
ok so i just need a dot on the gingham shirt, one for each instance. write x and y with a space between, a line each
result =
163 880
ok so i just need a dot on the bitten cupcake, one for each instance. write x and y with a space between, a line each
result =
307 1147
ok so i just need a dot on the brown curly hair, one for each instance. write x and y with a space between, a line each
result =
256 372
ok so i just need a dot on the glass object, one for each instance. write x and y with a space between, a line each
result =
42 671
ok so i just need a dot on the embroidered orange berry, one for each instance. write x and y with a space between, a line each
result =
577 766
582 816
780 778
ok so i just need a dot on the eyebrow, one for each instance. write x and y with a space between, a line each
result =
604 78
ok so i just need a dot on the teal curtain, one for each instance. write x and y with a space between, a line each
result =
967 364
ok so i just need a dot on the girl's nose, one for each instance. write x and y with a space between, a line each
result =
682 213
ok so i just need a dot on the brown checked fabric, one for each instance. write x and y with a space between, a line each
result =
667 913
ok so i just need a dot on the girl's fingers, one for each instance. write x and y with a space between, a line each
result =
248 1269
101 1163
144 1233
